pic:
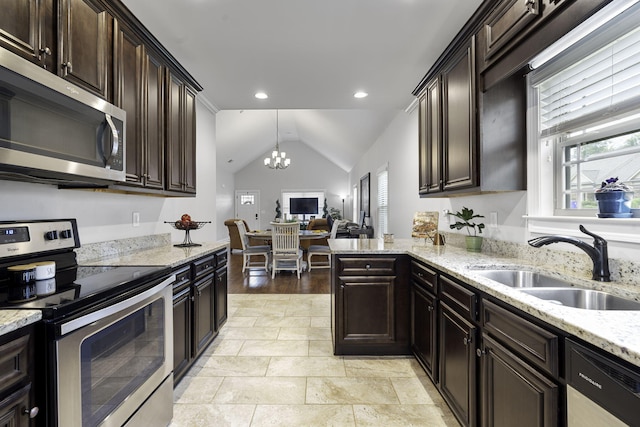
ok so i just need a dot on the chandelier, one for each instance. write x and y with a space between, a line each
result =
278 159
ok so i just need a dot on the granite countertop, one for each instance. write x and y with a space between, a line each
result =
167 255
11 320
613 331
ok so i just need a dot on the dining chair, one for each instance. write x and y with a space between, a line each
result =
322 250
285 247
248 251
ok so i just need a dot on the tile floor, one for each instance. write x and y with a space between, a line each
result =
273 365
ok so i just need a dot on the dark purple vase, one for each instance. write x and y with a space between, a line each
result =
614 204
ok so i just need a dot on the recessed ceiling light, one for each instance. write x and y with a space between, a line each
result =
261 95
360 94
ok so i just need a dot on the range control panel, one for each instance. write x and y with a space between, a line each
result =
31 237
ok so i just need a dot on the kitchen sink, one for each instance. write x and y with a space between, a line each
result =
586 299
517 278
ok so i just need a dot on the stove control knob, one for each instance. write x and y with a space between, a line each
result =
51 235
66 234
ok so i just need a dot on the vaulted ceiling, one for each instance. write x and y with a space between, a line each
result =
310 57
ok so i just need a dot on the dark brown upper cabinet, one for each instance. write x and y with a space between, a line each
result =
181 144
85 45
139 90
28 30
447 126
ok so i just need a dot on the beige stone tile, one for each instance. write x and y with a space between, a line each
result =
199 415
250 333
412 391
379 367
303 415
196 389
399 415
283 321
308 310
306 367
223 347
234 366
261 390
304 334
350 391
241 322
260 311
321 322
274 348
320 348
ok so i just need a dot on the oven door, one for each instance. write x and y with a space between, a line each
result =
111 361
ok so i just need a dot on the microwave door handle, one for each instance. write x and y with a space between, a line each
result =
114 136
115 144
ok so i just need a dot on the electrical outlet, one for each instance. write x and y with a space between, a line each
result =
136 219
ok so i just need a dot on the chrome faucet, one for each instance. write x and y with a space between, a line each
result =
597 252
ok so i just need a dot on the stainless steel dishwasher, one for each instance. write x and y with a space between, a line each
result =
601 392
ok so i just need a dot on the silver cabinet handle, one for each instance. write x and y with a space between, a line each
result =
466 341
33 412
531 6
68 66
480 353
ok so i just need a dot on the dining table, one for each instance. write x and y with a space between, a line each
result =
304 234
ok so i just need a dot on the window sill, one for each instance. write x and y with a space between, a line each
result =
626 230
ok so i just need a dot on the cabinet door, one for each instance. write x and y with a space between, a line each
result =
458 364
189 144
154 122
459 120
514 393
423 329
26 29
12 409
128 65
204 326
174 133
430 139
84 43
366 310
221 296
181 333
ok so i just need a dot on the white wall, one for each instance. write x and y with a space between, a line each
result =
309 170
106 216
398 145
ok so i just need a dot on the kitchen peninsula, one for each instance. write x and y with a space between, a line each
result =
492 350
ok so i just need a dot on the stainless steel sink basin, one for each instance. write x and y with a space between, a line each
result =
523 278
586 299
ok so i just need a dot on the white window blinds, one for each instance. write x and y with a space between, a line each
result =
597 87
383 200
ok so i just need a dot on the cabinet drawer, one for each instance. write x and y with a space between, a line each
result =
366 266
203 266
531 342
183 278
221 258
427 278
463 300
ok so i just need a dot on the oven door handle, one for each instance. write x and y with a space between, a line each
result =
85 320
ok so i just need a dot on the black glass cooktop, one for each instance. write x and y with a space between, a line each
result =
81 289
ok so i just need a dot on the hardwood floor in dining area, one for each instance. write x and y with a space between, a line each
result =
258 281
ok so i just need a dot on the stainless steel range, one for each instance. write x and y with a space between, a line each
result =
105 341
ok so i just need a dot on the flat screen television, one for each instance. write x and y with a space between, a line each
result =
303 205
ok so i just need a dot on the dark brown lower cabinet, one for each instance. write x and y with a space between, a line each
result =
458 373
17 370
204 325
181 333
513 393
424 333
221 295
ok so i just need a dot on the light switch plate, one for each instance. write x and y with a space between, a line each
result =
135 220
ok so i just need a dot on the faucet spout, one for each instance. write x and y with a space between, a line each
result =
598 252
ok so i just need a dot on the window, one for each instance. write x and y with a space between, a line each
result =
586 119
354 205
383 199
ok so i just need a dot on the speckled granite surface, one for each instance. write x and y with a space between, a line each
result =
613 331
166 255
11 320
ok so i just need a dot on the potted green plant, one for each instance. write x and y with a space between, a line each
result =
278 210
614 199
465 217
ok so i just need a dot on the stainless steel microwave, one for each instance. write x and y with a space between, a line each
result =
53 131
